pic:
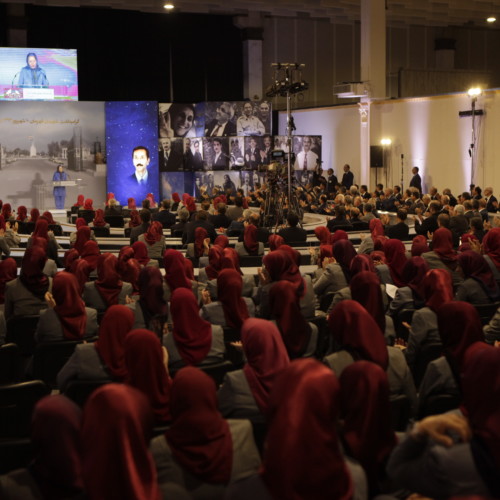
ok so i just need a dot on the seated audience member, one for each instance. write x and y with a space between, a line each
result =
305 397
211 271
99 219
245 393
340 220
135 219
56 469
34 215
178 228
430 224
395 255
480 286
193 341
400 230
236 211
91 254
176 274
250 244
365 410
87 212
459 455
491 251
323 234
419 246
154 240
42 231
200 247
292 233
145 362
459 326
377 239
145 216
25 296
220 219
164 216
201 451
103 359
201 221
131 204
83 234
66 318
8 272
108 289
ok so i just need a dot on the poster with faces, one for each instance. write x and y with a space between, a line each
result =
193 154
170 154
307 150
180 119
216 153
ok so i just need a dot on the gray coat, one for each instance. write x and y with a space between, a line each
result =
93 298
214 313
19 301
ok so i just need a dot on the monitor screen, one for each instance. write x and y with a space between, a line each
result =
38 74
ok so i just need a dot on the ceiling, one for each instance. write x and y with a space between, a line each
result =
414 12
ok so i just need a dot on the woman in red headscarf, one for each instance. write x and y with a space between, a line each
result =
491 248
275 241
135 220
193 341
438 290
230 309
82 236
42 231
175 273
211 271
245 393
480 286
131 204
395 255
7 212
459 327
336 274
176 199
305 397
8 272
318 256
116 420
88 204
69 257
90 254
81 269
34 215
66 318
323 234
9 237
103 359
338 235
366 412
250 244
99 219
154 240
128 267
146 371
200 246
419 246
141 255
202 449
108 289
22 213
152 202
80 201
56 469
50 219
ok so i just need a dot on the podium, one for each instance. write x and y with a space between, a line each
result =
64 183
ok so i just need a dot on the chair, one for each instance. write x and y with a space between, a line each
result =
127 231
177 233
21 331
87 215
404 315
56 229
50 357
216 371
360 225
326 301
486 311
16 407
429 353
439 403
29 227
400 412
10 360
22 227
115 220
80 390
101 232
251 261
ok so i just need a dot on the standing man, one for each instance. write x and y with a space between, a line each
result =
197 159
265 154
247 124
221 159
169 159
306 159
491 201
348 177
416 180
222 126
252 155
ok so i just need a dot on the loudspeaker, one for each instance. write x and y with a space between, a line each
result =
376 156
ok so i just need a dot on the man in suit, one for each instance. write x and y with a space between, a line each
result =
145 216
306 159
164 216
398 231
459 223
293 233
252 155
220 219
222 125
491 201
236 211
430 224
265 154
201 221
416 180
331 180
348 177
197 159
188 155
220 160
169 159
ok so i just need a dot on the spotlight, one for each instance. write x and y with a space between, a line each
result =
169 6
386 142
491 19
474 92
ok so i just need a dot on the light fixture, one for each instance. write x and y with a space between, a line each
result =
491 19
169 6
386 142
474 92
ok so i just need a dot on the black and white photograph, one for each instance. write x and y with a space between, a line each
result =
227 181
250 180
220 119
237 153
216 153
248 122
203 182
253 150
307 151
193 154
178 120
170 154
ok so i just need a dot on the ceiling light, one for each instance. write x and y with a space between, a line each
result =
474 92
491 19
386 142
169 6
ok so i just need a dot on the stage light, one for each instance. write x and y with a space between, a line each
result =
386 142
491 19
474 92
169 6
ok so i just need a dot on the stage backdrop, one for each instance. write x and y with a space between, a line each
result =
37 136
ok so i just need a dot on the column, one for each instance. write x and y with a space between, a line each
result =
364 142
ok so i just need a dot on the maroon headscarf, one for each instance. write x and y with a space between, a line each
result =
275 241
200 233
395 254
222 241
266 357
117 427
154 233
215 255
141 253
325 251
8 272
32 276
475 266
294 254
82 236
414 273
338 235
303 458
110 196
438 288
355 330
88 204
80 222
22 213
135 220
323 234
344 252
108 282
378 233
91 254
198 436
151 293
192 334
81 270
442 245
285 309
80 201
56 441
365 289
2 223
34 214
491 245
146 371
188 265
361 262
48 216
378 256
6 211
231 260
280 266
70 308
128 267
41 229
131 204
176 197
250 241
366 412
69 257
99 218
175 271
115 325
229 287
190 204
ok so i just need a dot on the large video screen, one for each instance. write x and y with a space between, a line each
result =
38 74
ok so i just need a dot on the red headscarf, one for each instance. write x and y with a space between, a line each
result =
175 271
81 269
108 282
378 233
141 252
285 309
151 198
266 357
32 276
475 266
115 325
49 217
419 246
69 257
190 204
131 204
128 268
146 371
491 245
200 233
151 293
215 255
199 437
442 245
192 334
41 229
222 241
303 459
323 234
325 252
2 223
79 201
378 256
344 252
70 308
80 222
231 259
414 273
91 254
34 214
8 272
154 233
275 241
176 197
6 211
56 440
438 289
188 264
88 204
216 201
117 427
365 289
352 326
22 213
366 412
338 235
395 254
82 236
361 262
250 241
280 266
99 218
294 254
229 286
135 220
110 196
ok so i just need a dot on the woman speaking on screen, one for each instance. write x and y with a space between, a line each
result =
32 75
